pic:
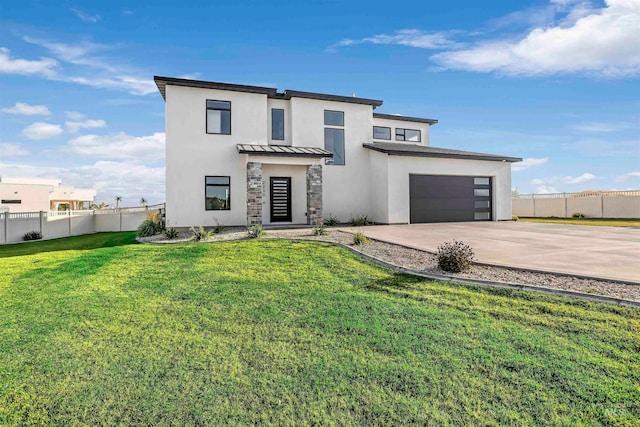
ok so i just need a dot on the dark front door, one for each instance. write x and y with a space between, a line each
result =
281 199
442 198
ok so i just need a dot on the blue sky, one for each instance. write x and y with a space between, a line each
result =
555 82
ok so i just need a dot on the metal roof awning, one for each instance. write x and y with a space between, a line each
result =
283 151
399 149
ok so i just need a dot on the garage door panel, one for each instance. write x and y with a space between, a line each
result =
446 198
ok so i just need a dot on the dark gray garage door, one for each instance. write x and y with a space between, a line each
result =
444 198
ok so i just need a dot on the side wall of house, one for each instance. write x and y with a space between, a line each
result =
193 154
394 124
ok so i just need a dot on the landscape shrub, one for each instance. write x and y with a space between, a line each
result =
255 232
218 228
170 233
320 230
198 234
578 215
454 256
32 235
360 239
332 221
359 221
514 217
148 228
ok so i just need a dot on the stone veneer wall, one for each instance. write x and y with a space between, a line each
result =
254 193
314 194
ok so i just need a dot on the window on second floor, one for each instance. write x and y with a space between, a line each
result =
334 142
333 118
219 117
277 124
381 132
410 135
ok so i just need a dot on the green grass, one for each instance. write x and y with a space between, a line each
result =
294 333
610 222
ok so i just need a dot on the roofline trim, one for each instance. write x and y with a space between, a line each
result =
469 156
404 118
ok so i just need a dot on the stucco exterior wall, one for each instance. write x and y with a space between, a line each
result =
400 167
193 154
34 198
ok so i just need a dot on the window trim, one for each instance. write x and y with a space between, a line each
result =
216 185
404 136
324 117
382 127
283 126
206 119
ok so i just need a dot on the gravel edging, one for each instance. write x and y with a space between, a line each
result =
424 264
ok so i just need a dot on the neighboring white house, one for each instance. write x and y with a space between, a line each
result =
42 194
241 155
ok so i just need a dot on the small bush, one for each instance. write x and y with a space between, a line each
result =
32 235
578 215
320 230
218 228
198 234
360 221
514 217
170 233
332 221
454 256
360 239
148 228
255 232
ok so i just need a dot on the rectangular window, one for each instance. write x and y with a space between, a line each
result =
481 192
11 201
217 193
380 132
479 204
411 135
481 215
219 117
334 142
277 124
333 118
481 181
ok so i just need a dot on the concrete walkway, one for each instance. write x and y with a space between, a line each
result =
605 252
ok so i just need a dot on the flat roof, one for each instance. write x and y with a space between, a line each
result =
399 149
404 118
162 82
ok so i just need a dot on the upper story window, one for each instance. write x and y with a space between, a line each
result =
219 117
333 118
334 136
11 201
380 132
410 135
277 124
217 193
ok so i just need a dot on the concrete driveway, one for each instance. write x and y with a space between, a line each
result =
606 252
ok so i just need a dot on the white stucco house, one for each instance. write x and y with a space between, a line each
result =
22 194
243 155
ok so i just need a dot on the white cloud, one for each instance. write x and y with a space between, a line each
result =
579 179
11 150
543 181
545 189
131 180
44 66
528 163
41 130
73 115
134 85
605 148
85 17
408 37
74 127
601 127
119 146
626 176
603 42
27 110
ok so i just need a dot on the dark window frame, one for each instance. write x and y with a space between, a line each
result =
331 161
217 185
403 131
283 127
11 201
333 111
382 127
207 108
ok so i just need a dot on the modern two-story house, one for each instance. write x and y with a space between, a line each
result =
245 155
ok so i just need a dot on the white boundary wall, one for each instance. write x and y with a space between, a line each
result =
603 204
56 224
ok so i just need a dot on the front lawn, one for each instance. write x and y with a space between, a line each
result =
295 333
610 222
